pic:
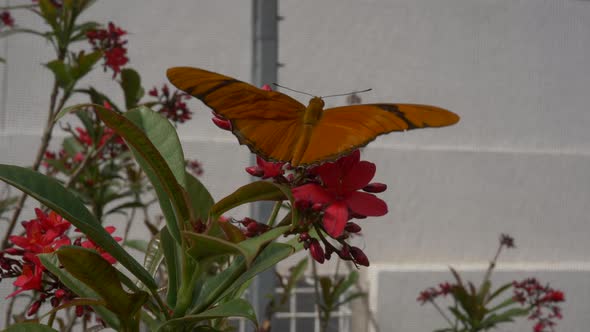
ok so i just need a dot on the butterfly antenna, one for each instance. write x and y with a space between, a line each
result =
347 94
284 87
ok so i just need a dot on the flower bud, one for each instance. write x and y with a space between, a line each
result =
60 293
79 311
255 171
344 253
266 87
54 302
304 237
375 187
359 256
34 308
221 123
316 251
352 227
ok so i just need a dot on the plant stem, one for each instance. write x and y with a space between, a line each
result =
316 287
45 139
273 216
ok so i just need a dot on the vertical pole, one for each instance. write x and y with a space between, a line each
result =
264 71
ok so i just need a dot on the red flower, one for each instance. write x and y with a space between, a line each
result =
172 106
29 279
265 169
44 234
89 244
7 19
339 193
110 43
554 296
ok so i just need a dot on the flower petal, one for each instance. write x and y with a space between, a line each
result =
359 175
366 204
335 218
312 193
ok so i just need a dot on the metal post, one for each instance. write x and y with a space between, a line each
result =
264 71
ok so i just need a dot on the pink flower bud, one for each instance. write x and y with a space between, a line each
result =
255 171
344 253
266 87
316 251
60 293
359 256
153 92
221 123
352 227
79 311
34 308
304 237
54 302
375 187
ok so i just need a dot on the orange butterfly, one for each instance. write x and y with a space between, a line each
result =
279 128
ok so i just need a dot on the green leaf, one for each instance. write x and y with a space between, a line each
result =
345 284
154 255
230 279
252 192
85 64
161 133
232 308
29 327
62 72
202 246
271 255
200 198
51 263
52 194
49 14
131 85
72 146
498 292
171 252
297 272
89 267
206 247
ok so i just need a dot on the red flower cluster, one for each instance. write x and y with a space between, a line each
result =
172 105
7 20
44 234
429 294
110 43
543 300
339 195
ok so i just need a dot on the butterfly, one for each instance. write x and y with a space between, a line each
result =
279 128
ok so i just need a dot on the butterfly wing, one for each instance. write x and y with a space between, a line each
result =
344 129
268 122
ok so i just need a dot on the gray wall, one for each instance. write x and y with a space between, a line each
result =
516 71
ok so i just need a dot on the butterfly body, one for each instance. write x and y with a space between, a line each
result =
279 128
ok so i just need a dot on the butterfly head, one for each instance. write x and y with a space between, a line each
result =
313 111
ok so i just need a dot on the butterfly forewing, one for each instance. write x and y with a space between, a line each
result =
268 122
234 99
344 129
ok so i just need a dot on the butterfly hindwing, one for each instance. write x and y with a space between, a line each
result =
344 129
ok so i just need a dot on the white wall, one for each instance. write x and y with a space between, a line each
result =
516 71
